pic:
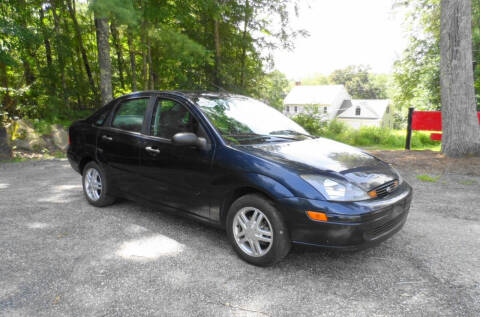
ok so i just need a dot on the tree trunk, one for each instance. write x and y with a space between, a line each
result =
244 44
217 77
48 53
104 62
118 50
5 149
78 36
59 48
26 51
144 58
461 129
133 69
48 49
150 65
7 102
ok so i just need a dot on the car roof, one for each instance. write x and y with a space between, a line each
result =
186 94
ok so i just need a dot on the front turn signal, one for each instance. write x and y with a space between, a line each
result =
372 194
317 216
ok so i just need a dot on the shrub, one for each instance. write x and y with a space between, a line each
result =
365 136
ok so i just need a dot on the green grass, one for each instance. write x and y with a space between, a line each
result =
468 182
428 178
45 156
15 160
372 138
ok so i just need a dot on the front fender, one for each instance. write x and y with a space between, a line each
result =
268 185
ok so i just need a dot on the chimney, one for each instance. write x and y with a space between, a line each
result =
298 83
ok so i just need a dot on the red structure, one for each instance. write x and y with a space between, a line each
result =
425 121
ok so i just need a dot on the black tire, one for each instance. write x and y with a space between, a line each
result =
104 199
281 240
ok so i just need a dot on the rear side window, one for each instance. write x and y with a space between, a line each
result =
99 117
130 114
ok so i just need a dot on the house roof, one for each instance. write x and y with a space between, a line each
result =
313 95
370 109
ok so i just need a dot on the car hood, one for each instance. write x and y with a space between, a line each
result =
327 157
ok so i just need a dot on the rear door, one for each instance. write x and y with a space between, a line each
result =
119 143
176 176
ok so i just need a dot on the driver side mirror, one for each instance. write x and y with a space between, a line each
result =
189 139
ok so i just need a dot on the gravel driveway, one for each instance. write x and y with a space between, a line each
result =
60 256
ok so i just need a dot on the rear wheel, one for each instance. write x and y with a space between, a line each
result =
257 231
95 185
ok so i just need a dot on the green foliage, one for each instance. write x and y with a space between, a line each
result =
48 51
375 137
427 178
359 82
417 73
273 89
315 79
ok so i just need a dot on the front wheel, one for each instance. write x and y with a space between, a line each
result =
257 231
95 185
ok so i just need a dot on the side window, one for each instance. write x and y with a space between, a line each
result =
130 114
170 117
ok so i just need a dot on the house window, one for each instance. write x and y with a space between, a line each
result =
296 109
357 111
288 108
324 109
388 110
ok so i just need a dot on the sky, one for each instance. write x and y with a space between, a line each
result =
343 33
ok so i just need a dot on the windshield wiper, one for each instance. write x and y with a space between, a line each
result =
289 132
246 137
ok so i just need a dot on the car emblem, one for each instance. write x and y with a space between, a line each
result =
389 189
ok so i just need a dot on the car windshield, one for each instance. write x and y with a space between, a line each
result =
243 120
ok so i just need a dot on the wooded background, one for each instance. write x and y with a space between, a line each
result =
58 57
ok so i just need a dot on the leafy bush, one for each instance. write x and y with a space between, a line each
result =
365 136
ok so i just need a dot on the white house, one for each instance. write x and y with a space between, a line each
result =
373 112
327 99
334 102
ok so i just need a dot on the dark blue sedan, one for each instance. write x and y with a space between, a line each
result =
237 163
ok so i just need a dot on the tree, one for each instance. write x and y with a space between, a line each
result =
55 54
274 88
104 62
461 129
359 82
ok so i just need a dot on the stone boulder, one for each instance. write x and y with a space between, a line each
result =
5 149
59 137
26 138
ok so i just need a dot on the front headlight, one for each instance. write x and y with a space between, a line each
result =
335 189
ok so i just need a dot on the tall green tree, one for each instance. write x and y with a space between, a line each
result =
359 82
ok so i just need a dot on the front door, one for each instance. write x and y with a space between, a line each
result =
176 176
119 144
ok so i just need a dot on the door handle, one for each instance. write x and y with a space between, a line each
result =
106 137
152 150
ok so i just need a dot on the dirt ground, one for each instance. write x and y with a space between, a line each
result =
61 256
434 163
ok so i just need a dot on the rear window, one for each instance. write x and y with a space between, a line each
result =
130 114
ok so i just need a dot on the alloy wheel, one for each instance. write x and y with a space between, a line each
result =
252 231
93 184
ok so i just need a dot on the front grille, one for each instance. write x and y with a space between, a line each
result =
387 226
385 189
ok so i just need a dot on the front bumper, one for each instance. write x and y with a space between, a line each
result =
350 225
